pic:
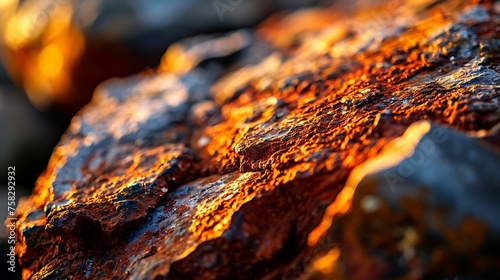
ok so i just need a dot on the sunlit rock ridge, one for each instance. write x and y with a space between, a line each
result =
324 144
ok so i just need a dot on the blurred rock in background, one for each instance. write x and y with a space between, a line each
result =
59 51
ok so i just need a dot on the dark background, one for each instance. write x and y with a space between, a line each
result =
27 137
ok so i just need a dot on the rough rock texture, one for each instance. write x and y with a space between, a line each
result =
194 176
423 208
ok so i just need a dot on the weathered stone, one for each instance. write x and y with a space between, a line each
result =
425 207
116 188
249 169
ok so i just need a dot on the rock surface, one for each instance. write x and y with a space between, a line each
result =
194 176
425 207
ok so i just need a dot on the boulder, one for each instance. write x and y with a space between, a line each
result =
187 175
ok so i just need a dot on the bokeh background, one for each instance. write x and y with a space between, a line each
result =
53 53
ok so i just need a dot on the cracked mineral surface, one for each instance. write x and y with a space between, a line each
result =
244 175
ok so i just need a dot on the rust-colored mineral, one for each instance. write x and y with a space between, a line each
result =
188 175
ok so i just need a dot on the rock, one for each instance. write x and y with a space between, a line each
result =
187 176
423 208
132 180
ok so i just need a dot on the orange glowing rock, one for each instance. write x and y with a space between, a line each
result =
172 182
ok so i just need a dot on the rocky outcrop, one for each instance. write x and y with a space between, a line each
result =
195 176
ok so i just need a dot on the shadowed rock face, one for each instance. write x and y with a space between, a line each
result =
195 176
423 208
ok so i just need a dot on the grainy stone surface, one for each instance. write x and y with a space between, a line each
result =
196 177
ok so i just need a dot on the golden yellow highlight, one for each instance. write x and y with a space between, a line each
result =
395 152
213 217
176 60
41 48
341 205
19 31
50 60
326 264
